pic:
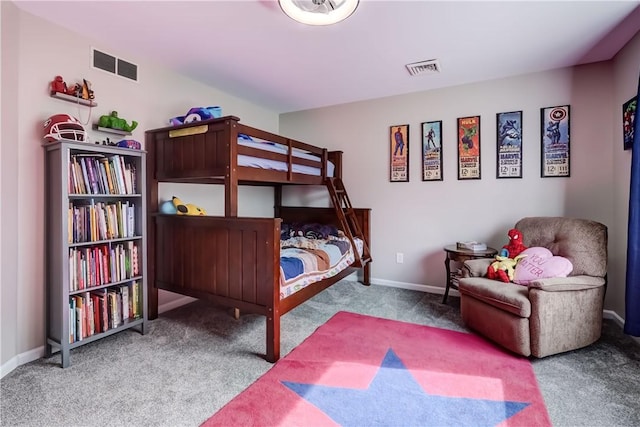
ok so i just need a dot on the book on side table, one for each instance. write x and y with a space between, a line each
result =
472 245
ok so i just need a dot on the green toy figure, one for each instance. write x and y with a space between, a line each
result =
112 121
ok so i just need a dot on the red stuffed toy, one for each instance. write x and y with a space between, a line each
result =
515 245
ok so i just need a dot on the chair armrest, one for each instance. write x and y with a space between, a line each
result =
476 267
571 283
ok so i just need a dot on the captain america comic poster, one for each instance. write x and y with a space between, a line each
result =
555 132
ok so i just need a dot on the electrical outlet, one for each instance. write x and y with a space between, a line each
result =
399 257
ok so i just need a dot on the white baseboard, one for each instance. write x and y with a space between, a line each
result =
413 286
21 359
37 353
610 314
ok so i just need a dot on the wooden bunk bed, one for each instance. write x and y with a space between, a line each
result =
230 260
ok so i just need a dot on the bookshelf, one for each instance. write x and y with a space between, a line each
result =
95 243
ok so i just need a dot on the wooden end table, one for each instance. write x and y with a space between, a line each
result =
461 255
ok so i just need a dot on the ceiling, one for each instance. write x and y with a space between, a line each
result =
250 49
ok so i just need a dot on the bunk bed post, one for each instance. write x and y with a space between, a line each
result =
336 159
325 162
231 174
273 312
277 200
273 334
152 206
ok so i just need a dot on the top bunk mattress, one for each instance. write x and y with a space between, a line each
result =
257 162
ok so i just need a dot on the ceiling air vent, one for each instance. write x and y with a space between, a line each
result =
430 66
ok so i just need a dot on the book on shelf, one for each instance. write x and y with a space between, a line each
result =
471 245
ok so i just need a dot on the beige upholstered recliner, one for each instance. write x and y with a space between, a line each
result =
549 315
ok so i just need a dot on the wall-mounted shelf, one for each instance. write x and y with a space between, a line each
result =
109 130
74 99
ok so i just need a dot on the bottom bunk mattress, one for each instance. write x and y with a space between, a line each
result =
313 256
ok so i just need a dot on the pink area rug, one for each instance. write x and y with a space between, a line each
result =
358 370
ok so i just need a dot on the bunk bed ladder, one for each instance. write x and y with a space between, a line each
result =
347 217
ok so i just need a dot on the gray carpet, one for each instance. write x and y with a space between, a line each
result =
196 358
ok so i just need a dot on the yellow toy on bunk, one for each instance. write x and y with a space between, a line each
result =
187 208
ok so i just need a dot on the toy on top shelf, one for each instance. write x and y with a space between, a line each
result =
81 90
112 121
63 127
80 93
197 114
129 143
58 85
125 143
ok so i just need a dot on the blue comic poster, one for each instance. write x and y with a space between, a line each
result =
432 151
509 143
555 141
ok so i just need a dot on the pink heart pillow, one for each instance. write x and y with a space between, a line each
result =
540 263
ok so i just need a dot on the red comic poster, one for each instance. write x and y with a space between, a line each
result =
399 153
469 147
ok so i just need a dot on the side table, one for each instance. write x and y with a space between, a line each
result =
461 255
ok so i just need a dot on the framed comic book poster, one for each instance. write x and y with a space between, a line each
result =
555 154
509 145
399 153
432 151
469 147
628 118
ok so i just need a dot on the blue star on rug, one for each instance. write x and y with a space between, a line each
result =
395 398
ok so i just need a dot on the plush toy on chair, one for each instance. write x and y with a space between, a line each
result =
187 208
515 245
503 268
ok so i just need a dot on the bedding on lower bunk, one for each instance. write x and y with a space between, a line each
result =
313 256
257 162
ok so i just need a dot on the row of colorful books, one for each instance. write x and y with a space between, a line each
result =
98 311
98 174
100 221
103 264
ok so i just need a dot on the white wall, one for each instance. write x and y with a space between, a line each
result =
8 178
419 218
34 51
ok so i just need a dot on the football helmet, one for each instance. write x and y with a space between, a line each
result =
65 127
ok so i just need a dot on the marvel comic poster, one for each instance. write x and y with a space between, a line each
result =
555 159
432 151
399 153
509 145
469 147
628 118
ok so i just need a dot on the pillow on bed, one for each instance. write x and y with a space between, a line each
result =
308 230
248 138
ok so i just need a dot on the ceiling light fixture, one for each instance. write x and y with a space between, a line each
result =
318 12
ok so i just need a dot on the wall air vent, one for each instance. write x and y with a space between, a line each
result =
113 65
430 66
